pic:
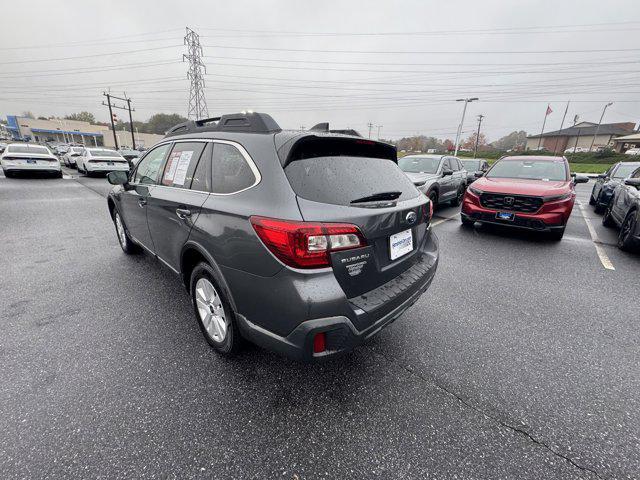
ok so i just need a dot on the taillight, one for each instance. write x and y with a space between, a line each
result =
306 244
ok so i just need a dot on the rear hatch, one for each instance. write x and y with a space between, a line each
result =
370 192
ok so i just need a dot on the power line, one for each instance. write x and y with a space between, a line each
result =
425 52
90 56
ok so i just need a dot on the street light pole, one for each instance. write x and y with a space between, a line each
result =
464 111
598 127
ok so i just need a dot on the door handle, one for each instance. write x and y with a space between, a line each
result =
183 213
142 202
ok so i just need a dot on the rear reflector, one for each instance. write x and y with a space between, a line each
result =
319 343
306 244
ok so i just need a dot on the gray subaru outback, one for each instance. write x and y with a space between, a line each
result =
303 242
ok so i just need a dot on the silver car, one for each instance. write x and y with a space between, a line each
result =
442 178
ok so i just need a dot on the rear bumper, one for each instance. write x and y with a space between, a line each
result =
354 319
53 167
89 167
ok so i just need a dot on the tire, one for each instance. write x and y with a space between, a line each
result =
598 206
592 200
433 196
124 239
466 221
211 308
626 241
58 174
458 198
607 219
8 174
557 235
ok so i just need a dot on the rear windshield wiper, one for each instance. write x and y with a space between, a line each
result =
377 197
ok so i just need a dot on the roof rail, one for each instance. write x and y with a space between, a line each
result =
324 127
249 122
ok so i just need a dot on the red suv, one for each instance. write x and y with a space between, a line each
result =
531 192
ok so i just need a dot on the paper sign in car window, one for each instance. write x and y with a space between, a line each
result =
183 166
170 172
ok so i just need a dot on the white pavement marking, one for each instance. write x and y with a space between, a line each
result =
442 220
602 255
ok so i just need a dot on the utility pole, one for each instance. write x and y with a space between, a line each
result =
121 107
555 148
464 111
475 150
379 127
195 74
370 125
598 127
133 138
113 126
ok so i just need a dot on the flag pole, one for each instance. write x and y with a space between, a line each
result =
546 113
562 125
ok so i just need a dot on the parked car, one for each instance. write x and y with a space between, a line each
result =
442 178
70 157
530 192
606 183
576 150
474 166
27 157
623 211
100 159
2 147
633 151
304 242
131 156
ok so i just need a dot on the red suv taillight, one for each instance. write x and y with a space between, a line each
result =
306 244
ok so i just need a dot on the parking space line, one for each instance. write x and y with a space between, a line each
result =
444 219
602 255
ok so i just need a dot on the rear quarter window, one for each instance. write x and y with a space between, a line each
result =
338 180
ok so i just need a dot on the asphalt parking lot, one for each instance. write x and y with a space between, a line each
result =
521 360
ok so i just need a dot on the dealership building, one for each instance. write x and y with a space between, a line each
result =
581 135
73 131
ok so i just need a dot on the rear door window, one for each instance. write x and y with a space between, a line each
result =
182 162
202 174
338 180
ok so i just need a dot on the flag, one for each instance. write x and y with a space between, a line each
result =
548 110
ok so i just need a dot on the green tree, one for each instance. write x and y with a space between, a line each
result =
510 141
82 117
161 122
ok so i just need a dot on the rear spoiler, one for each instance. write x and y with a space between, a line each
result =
311 146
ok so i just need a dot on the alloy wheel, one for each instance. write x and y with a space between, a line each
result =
211 310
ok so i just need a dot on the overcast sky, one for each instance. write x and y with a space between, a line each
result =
398 64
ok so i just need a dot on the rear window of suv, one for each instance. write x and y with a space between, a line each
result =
338 180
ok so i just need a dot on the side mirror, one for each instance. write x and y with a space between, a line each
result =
634 182
602 175
447 172
478 174
118 178
580 178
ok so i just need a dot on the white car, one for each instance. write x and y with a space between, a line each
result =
633 151
101 159
71 155
576 150
28 157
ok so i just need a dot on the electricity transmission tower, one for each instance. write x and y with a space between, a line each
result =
197 69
